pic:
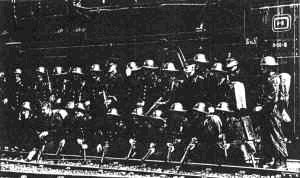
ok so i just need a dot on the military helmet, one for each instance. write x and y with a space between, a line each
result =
223 106
77 70
200 58
95 68
26 105
70 105
149 64
138 111
58 70
200 107
177 107
18 71
80 107
268 61
231 63
218 67
41 69
169 66
132 66
113 112
157 114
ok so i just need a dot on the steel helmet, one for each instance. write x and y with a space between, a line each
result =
149 64
77 70
169 66
132 66
200 107
178 107
113 112
95 68
218 67
80 106
41 69
223 106
138 111
157 114
70 105
268 61
58 70
18 71
26 105
200 58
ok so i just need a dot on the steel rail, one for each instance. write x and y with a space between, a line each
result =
219 167
94 168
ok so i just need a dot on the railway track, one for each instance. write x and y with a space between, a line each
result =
74 165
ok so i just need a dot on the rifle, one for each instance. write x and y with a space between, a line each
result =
190 147
49 82
131 152
224 146
151 150
105 149
155 104
171 149
105 99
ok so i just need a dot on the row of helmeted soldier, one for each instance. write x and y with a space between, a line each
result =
197 114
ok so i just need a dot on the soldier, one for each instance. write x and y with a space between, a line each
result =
217 84
25 126
41 85
137 130
212 137
176 129
116 133
95 80
272 105
59 85
195 129
3 88
150 83
239 151
155 135
114 82
135 87
77 86
169 83
20 88
96 91
198 81
237 85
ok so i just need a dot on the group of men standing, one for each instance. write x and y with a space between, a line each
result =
142 111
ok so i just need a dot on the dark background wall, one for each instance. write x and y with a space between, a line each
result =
53 32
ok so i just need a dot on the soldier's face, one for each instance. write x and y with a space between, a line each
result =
201 67
177 115
18 78
219 75
46 110
39 77
26 114
78 114
267 69
76 77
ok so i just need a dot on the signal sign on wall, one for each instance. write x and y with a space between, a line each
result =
281 22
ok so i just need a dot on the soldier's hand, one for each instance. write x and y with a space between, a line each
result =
43 134
99 148
5 101
62 142
108 102
257 108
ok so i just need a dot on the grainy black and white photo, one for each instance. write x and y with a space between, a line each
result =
150 88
